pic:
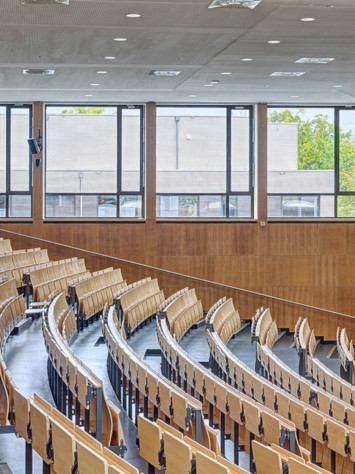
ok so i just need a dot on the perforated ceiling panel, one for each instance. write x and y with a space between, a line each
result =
181 35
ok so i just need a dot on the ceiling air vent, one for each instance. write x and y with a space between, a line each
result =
44 2
235 3
39 72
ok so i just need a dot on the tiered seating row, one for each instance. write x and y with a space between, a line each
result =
225 320
318 430
73 384
5 245
92 293
8 292
138 303
166 448
236 414
311 365
14 265
63 446
178 305
153 394
56 278
346 355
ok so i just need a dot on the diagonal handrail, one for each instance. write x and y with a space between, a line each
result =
190 277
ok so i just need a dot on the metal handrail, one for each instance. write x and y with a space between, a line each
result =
243 290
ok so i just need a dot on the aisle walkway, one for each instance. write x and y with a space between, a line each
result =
26 358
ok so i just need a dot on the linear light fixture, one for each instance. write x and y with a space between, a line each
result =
235 3
315 60
165 73
287 74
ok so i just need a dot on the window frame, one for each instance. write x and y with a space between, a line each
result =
8 191
228 170
119 192
336 192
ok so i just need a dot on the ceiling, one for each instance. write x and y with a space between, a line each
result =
177 35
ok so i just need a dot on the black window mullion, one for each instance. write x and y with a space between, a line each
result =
336 159
8 156
228 157
119 157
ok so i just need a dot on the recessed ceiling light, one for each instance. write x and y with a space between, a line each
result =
247 60
307 19
274 42
101 72
215 81
89 95
94 84
226 73
338 86
192 95
165 73
315 60
294 96
208 85
235 3
110 57
133 15
119 39
287 74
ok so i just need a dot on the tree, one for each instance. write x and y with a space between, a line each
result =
84 110
316 151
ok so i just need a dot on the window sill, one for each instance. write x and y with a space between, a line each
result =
88 220
203 220
317 220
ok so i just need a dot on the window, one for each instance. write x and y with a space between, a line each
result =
15 161
311 162
301 162
94 161
204 157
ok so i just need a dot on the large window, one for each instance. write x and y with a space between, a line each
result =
301 164
311 162
15 161
204 157
94 161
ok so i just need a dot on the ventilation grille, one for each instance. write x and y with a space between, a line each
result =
44 2
235 3
39 72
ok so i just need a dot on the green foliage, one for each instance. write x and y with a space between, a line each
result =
316 151
83 110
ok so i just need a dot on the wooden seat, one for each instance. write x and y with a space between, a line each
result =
266 460
149 435
64 448
178 455
205 464
89 461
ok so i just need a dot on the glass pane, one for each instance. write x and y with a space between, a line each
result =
2 149
131 149
81 206
20 205
130 206
240 158
2 206
240 206
301 150
191 150
81 149
346 206
20 157
300 206
347 150
191 206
